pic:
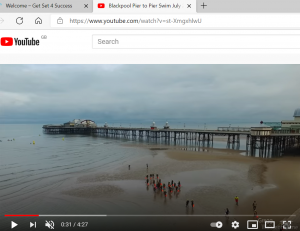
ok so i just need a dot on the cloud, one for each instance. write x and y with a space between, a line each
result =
142 93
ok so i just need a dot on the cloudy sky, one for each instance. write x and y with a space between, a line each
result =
212 94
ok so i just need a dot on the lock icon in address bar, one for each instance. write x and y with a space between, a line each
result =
60 20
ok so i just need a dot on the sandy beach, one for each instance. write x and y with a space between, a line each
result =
211 177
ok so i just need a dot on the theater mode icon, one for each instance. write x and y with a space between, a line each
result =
7 41
101 5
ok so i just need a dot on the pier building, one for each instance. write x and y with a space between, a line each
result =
293 125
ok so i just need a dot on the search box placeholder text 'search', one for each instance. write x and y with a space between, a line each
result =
194 41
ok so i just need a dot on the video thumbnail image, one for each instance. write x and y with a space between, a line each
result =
149 147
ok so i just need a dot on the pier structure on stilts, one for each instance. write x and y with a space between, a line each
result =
260 141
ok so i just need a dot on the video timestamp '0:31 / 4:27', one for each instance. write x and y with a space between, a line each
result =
74 224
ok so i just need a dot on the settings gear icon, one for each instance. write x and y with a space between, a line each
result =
235 224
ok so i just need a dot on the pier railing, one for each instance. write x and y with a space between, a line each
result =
286 131
234 129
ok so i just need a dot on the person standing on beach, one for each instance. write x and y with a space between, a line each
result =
254 205
187 203
281 227
192 202
129 167
227 211
172 183
236 200
255 213
179 185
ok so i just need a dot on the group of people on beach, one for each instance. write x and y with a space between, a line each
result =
158 185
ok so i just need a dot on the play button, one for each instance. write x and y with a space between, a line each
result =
13 224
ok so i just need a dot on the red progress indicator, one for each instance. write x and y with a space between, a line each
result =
21 215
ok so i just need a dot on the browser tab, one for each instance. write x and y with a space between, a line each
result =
149 7
48 6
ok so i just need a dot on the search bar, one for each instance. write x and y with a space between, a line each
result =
194 41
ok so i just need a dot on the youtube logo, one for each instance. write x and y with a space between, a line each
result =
101 5
7 41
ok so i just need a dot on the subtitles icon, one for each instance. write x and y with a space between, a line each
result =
252 224
217 224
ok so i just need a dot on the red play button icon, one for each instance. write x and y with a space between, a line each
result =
7 41
101 5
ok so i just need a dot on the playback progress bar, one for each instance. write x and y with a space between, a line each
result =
139 215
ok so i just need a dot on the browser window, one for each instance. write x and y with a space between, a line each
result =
149 115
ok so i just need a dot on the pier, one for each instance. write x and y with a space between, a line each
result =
261 140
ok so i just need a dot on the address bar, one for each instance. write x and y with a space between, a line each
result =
125 21
232 21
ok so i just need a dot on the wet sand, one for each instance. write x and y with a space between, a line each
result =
212 178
